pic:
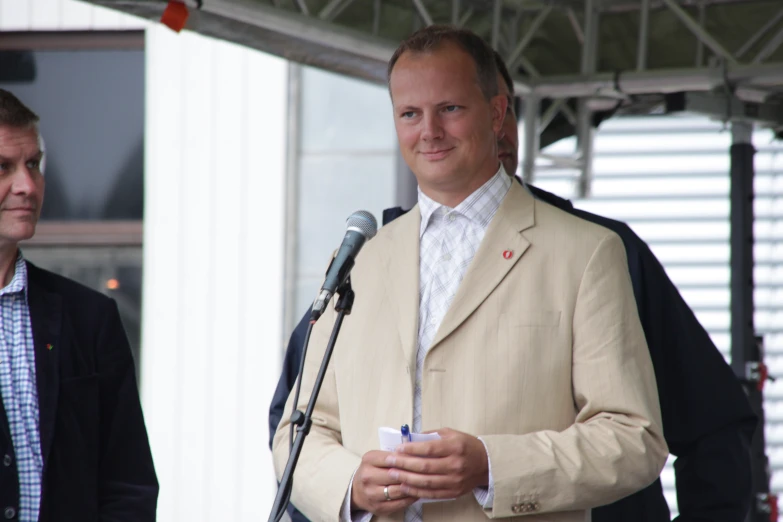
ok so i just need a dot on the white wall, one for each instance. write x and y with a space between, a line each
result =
213 265
50 15
213 258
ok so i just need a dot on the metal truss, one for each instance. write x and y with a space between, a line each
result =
357 37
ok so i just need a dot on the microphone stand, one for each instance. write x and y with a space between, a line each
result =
304 421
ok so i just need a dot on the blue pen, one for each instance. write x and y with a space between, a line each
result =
406 433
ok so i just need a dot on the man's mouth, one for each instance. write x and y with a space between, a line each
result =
436 154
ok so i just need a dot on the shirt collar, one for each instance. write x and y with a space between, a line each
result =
19 281
480 207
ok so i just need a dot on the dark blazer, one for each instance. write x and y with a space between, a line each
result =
707 421
97 464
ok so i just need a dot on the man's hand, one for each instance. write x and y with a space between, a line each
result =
447 468
369 482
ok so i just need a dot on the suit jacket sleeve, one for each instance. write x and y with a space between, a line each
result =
708 422
128 487
324 464
615 446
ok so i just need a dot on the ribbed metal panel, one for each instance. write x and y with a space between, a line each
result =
668 178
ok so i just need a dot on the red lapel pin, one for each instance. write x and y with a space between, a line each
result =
508 254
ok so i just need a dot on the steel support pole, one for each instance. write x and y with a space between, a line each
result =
741 217
584 138
532 142
644 36
746 347
497 13
584 128
699 42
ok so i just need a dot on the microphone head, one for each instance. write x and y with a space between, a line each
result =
363 222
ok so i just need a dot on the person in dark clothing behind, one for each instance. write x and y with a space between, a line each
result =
708 422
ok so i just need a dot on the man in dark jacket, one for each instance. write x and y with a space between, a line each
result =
708 423
73 443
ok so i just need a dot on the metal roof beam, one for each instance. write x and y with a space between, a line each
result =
772 46
303 7
422 10
657 81
455 8
333 8
699 31
512 59
497 13
758 35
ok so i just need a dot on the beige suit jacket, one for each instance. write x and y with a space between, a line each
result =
542 355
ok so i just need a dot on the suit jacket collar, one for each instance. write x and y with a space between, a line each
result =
400 252
500 250
46 318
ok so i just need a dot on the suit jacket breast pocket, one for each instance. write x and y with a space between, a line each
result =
534 356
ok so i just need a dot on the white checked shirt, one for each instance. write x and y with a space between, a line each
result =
448 241
19 393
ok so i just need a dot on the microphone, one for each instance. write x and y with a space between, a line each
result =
360 227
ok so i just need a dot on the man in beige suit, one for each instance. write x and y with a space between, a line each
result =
500 321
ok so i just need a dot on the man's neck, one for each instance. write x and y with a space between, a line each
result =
451 198
8 255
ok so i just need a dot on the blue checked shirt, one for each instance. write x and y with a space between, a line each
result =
17 384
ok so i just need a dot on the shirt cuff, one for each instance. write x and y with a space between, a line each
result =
485 496
345 512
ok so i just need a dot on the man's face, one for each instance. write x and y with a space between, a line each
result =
21 184
446 128
508 144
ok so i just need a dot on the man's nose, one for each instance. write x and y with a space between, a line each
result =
432 127
24 180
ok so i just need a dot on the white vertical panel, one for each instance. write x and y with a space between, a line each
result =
104 18
162 300
263 212
45 14
212 274
14 15
228 78
198 273
75 15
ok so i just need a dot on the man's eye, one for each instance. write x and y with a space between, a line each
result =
408 115
451 108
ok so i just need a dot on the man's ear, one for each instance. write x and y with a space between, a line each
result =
499 105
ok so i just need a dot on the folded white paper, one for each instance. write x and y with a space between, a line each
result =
391 438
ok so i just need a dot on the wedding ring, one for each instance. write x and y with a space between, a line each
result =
386 492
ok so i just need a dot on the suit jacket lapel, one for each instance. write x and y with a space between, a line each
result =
490 266
46 319
400 251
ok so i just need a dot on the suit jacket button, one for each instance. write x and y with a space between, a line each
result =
7 460
534 506
9 513
516 508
